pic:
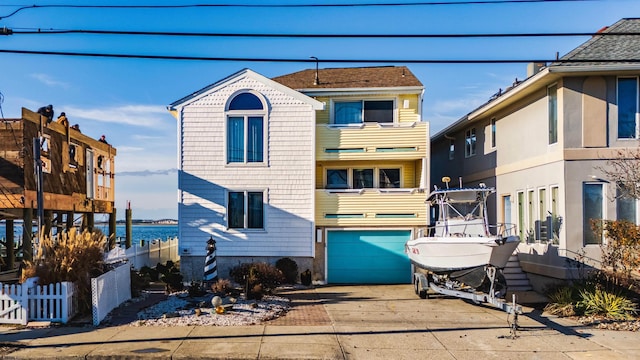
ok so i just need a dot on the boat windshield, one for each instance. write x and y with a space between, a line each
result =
466 210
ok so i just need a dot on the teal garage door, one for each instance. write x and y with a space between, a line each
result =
368 257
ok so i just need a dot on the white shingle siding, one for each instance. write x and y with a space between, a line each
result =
288 177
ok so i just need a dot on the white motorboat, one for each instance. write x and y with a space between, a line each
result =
462 249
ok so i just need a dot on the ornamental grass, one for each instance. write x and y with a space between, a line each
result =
71 256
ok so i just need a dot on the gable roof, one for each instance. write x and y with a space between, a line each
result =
351 78
608 48
316 105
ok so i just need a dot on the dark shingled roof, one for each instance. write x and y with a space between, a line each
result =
609 47
357 77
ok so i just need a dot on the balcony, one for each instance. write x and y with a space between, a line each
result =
372 141
371 207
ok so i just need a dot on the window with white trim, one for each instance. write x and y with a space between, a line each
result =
245 129
362 178
362 111
628 108
552 102
245 210
470 142
593 212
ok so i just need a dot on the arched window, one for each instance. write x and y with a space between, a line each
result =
245 129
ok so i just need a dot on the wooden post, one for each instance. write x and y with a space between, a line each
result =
47 223
69 220
9 245
27 223
112 229
128 225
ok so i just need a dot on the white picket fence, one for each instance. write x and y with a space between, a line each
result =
21 303
109 290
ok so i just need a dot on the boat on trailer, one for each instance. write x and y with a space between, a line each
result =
462 254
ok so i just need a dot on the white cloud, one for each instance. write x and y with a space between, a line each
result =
49 81
137 115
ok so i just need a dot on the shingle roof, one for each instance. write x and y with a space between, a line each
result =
608 48
357 77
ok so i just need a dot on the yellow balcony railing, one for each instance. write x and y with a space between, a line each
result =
371 207
371 141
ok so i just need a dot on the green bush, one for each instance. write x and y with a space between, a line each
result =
562 301
150 272
289 269
258 279
139 282
604 303
170 275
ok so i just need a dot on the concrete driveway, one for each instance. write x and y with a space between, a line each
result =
340 322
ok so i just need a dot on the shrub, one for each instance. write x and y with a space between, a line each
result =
170 275
289 269
607 304
150 272
562 300
73 256
222 287
258 278
305 277
196 289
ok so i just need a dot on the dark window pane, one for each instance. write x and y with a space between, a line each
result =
245 101
362 178
255 140
236 210
378 111
256 211
552 93
348 112
235 139
389 178
592 205
337 179
627 108
625 206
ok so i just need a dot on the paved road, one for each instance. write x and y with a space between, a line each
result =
342 322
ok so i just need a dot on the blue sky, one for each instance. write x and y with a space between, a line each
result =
126 99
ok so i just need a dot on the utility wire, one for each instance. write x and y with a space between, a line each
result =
231 5
280 35
292 60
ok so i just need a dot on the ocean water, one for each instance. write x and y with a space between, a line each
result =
138 232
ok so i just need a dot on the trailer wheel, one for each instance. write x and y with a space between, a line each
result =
422 293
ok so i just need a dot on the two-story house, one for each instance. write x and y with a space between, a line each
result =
327 168
246 173
543 143
371 170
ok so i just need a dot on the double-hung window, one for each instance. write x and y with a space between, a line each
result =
245 210
628 108
470 142
357 112
245 129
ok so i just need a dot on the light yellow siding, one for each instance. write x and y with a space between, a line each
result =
372 141
409 114
375 207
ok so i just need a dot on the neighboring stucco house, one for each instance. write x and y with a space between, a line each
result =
371 170
543 143
246 173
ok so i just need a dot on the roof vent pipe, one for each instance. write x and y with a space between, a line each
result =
316 81
534 68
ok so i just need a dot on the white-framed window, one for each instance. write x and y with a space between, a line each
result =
245 209
552 103
521 216
470 141
628 107
245 129
363 111
593 207
362 178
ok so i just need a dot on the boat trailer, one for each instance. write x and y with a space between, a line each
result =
424 282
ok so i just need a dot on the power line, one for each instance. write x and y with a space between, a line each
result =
320 5
281 35
306 60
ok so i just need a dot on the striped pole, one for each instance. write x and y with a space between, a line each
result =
210 266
